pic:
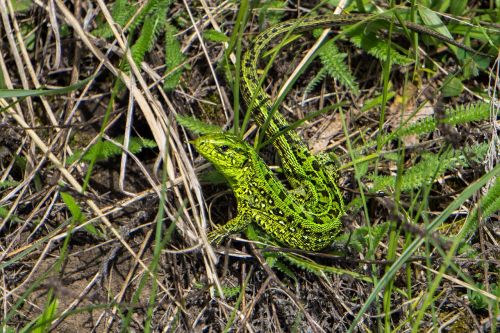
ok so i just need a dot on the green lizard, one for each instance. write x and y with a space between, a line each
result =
263 199
307 217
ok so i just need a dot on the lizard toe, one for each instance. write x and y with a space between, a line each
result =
216 236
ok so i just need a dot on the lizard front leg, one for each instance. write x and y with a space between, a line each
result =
239 223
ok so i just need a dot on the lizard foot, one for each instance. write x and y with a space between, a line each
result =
216 236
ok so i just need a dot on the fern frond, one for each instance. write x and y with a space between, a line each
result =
333 62
8 183
490 203
154 9
378 48
146 40
423 126
121 13
229 292
173 58
430 167
106 149
315 81
468 113
136 144
154 17
461 114
159 9
197 126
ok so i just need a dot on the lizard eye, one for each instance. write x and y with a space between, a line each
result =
224 148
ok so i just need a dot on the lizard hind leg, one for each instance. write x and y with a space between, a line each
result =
306 194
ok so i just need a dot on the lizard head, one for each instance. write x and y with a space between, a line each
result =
229 154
